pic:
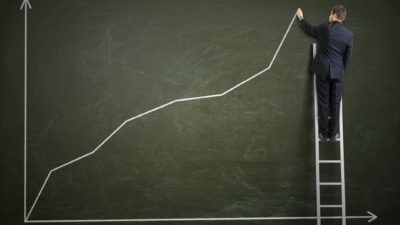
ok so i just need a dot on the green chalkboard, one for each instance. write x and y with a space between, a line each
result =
95 66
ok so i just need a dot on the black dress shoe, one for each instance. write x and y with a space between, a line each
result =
334 138
322 137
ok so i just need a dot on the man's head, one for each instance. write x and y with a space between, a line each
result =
338 12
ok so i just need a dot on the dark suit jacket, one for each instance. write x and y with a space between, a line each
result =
335 43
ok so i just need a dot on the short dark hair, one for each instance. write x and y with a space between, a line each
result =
340 12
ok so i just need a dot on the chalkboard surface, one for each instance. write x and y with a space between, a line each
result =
92 65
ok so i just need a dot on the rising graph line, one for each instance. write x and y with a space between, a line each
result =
158 108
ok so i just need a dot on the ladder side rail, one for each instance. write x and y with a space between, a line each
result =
317 177
342 171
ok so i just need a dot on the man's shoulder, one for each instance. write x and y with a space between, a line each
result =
347 30
344 31
349 34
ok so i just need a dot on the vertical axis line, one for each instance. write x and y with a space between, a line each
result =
25 106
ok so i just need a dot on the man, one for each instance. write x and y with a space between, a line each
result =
334 49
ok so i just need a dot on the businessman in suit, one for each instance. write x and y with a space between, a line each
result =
335 43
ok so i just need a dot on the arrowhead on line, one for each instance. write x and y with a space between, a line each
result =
26 3
373 216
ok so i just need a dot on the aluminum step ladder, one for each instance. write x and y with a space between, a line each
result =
318 161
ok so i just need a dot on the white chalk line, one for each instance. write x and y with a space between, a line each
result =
25 4
158 108
370 217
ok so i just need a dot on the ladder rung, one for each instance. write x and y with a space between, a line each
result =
330 183
329 161
331 206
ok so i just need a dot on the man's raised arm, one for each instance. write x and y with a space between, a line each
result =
308 28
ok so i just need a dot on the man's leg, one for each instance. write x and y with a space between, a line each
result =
323 104
335 96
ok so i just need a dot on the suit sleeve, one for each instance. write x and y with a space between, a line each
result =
308 28
347 54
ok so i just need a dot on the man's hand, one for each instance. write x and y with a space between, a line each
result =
299 14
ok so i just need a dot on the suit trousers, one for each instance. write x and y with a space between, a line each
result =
329 96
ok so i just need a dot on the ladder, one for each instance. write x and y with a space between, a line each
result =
318 161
